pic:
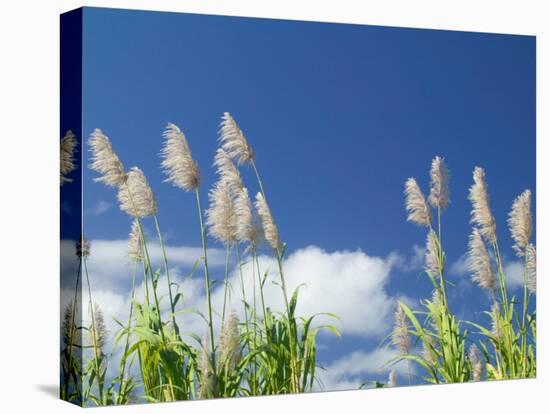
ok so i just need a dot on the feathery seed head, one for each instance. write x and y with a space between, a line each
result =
439 184
400 336
105 161
481 210
476 363
134 242
428 348
392 379
68 327
220 216
230 353
207 383
496 326
531 264
178 164
416 205
520 222
433 267
98 328
136 197
233 140
82 247
227 170
479 262
66 156
247 226
271 233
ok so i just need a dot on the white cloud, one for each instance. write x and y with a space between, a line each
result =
354 369
414 262
100 207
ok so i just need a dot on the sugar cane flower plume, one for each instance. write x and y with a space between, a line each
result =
476 363
82 247
227 171
428 349
233 140
220 216
433 265
400 336
531 265
135 252
439 184
271 233
392 379
229 345
69 329
136 197
207 383
496 325
178 164
479 262
248 228
66 156
105 161
520 222
481 210
416 205
98 328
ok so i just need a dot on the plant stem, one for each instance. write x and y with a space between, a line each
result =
72 329
206 278
127 345
225 281
165 258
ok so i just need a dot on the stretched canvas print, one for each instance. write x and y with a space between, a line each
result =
256 207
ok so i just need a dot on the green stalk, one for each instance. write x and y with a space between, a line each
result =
523 319
165 259
127 345
239 264
94 332
225 281
206 279
290 337
71 339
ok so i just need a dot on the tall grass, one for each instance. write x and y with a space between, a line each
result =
507 342
259 353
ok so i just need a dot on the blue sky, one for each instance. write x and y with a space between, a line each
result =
339 116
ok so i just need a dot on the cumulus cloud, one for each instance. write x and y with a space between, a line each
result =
99 208
350 284
352 370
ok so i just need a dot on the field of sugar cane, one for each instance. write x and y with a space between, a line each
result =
267 352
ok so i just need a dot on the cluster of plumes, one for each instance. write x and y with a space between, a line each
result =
98 328
207 384
230 216
520 222
229 345
479 262
135 250
392 379
433 263
400 337
105 161
482 216
476 363
233 140
416 205
66 157
531 264
439 184
136 197
178 164
271 233
82 247
69 329
221 219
